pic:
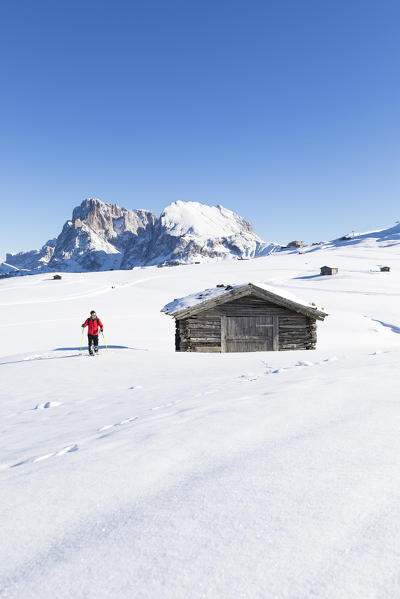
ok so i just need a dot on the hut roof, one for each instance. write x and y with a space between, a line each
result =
209 298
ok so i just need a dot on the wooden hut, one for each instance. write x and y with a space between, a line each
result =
329 270
57 277
244 318
295 244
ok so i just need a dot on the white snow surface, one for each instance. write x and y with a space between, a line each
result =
201 220
145 473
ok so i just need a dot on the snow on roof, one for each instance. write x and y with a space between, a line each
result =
182 303
193 299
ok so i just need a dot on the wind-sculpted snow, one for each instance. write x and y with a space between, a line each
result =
104 236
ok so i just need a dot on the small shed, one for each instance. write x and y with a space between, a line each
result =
385 268
243 318
295 244
57 277
329 270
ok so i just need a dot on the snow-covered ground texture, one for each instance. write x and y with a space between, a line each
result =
104 236
145 473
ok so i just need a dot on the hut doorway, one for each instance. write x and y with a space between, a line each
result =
248 333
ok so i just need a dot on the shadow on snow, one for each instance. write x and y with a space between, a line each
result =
392 327
318 276
84 346
84 350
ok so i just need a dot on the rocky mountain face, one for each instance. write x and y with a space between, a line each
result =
102 236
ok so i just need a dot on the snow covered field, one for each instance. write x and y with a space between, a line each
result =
146 473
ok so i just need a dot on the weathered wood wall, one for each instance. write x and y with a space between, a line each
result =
297 332
202 333
199 333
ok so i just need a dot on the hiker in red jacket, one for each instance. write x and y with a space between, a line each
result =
93 323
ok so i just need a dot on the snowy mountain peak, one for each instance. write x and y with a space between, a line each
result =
110 219
101 236
193 218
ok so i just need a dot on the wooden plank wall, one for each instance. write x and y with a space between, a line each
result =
199 333
297 332
202 333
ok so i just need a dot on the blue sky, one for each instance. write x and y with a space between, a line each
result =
286 112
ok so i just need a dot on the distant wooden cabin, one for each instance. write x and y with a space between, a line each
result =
57 277
329 270
245 318
295 244
385 268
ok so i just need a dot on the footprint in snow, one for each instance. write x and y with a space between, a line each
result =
131 419
47 404
46 456
106 427
63 451
21 463
165 405
68 449
246 378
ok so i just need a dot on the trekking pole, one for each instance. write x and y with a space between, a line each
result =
105 342
80 349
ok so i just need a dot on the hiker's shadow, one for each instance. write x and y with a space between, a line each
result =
101 347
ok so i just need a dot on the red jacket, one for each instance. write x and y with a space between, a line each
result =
93 324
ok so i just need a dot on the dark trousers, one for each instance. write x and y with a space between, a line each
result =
93 340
